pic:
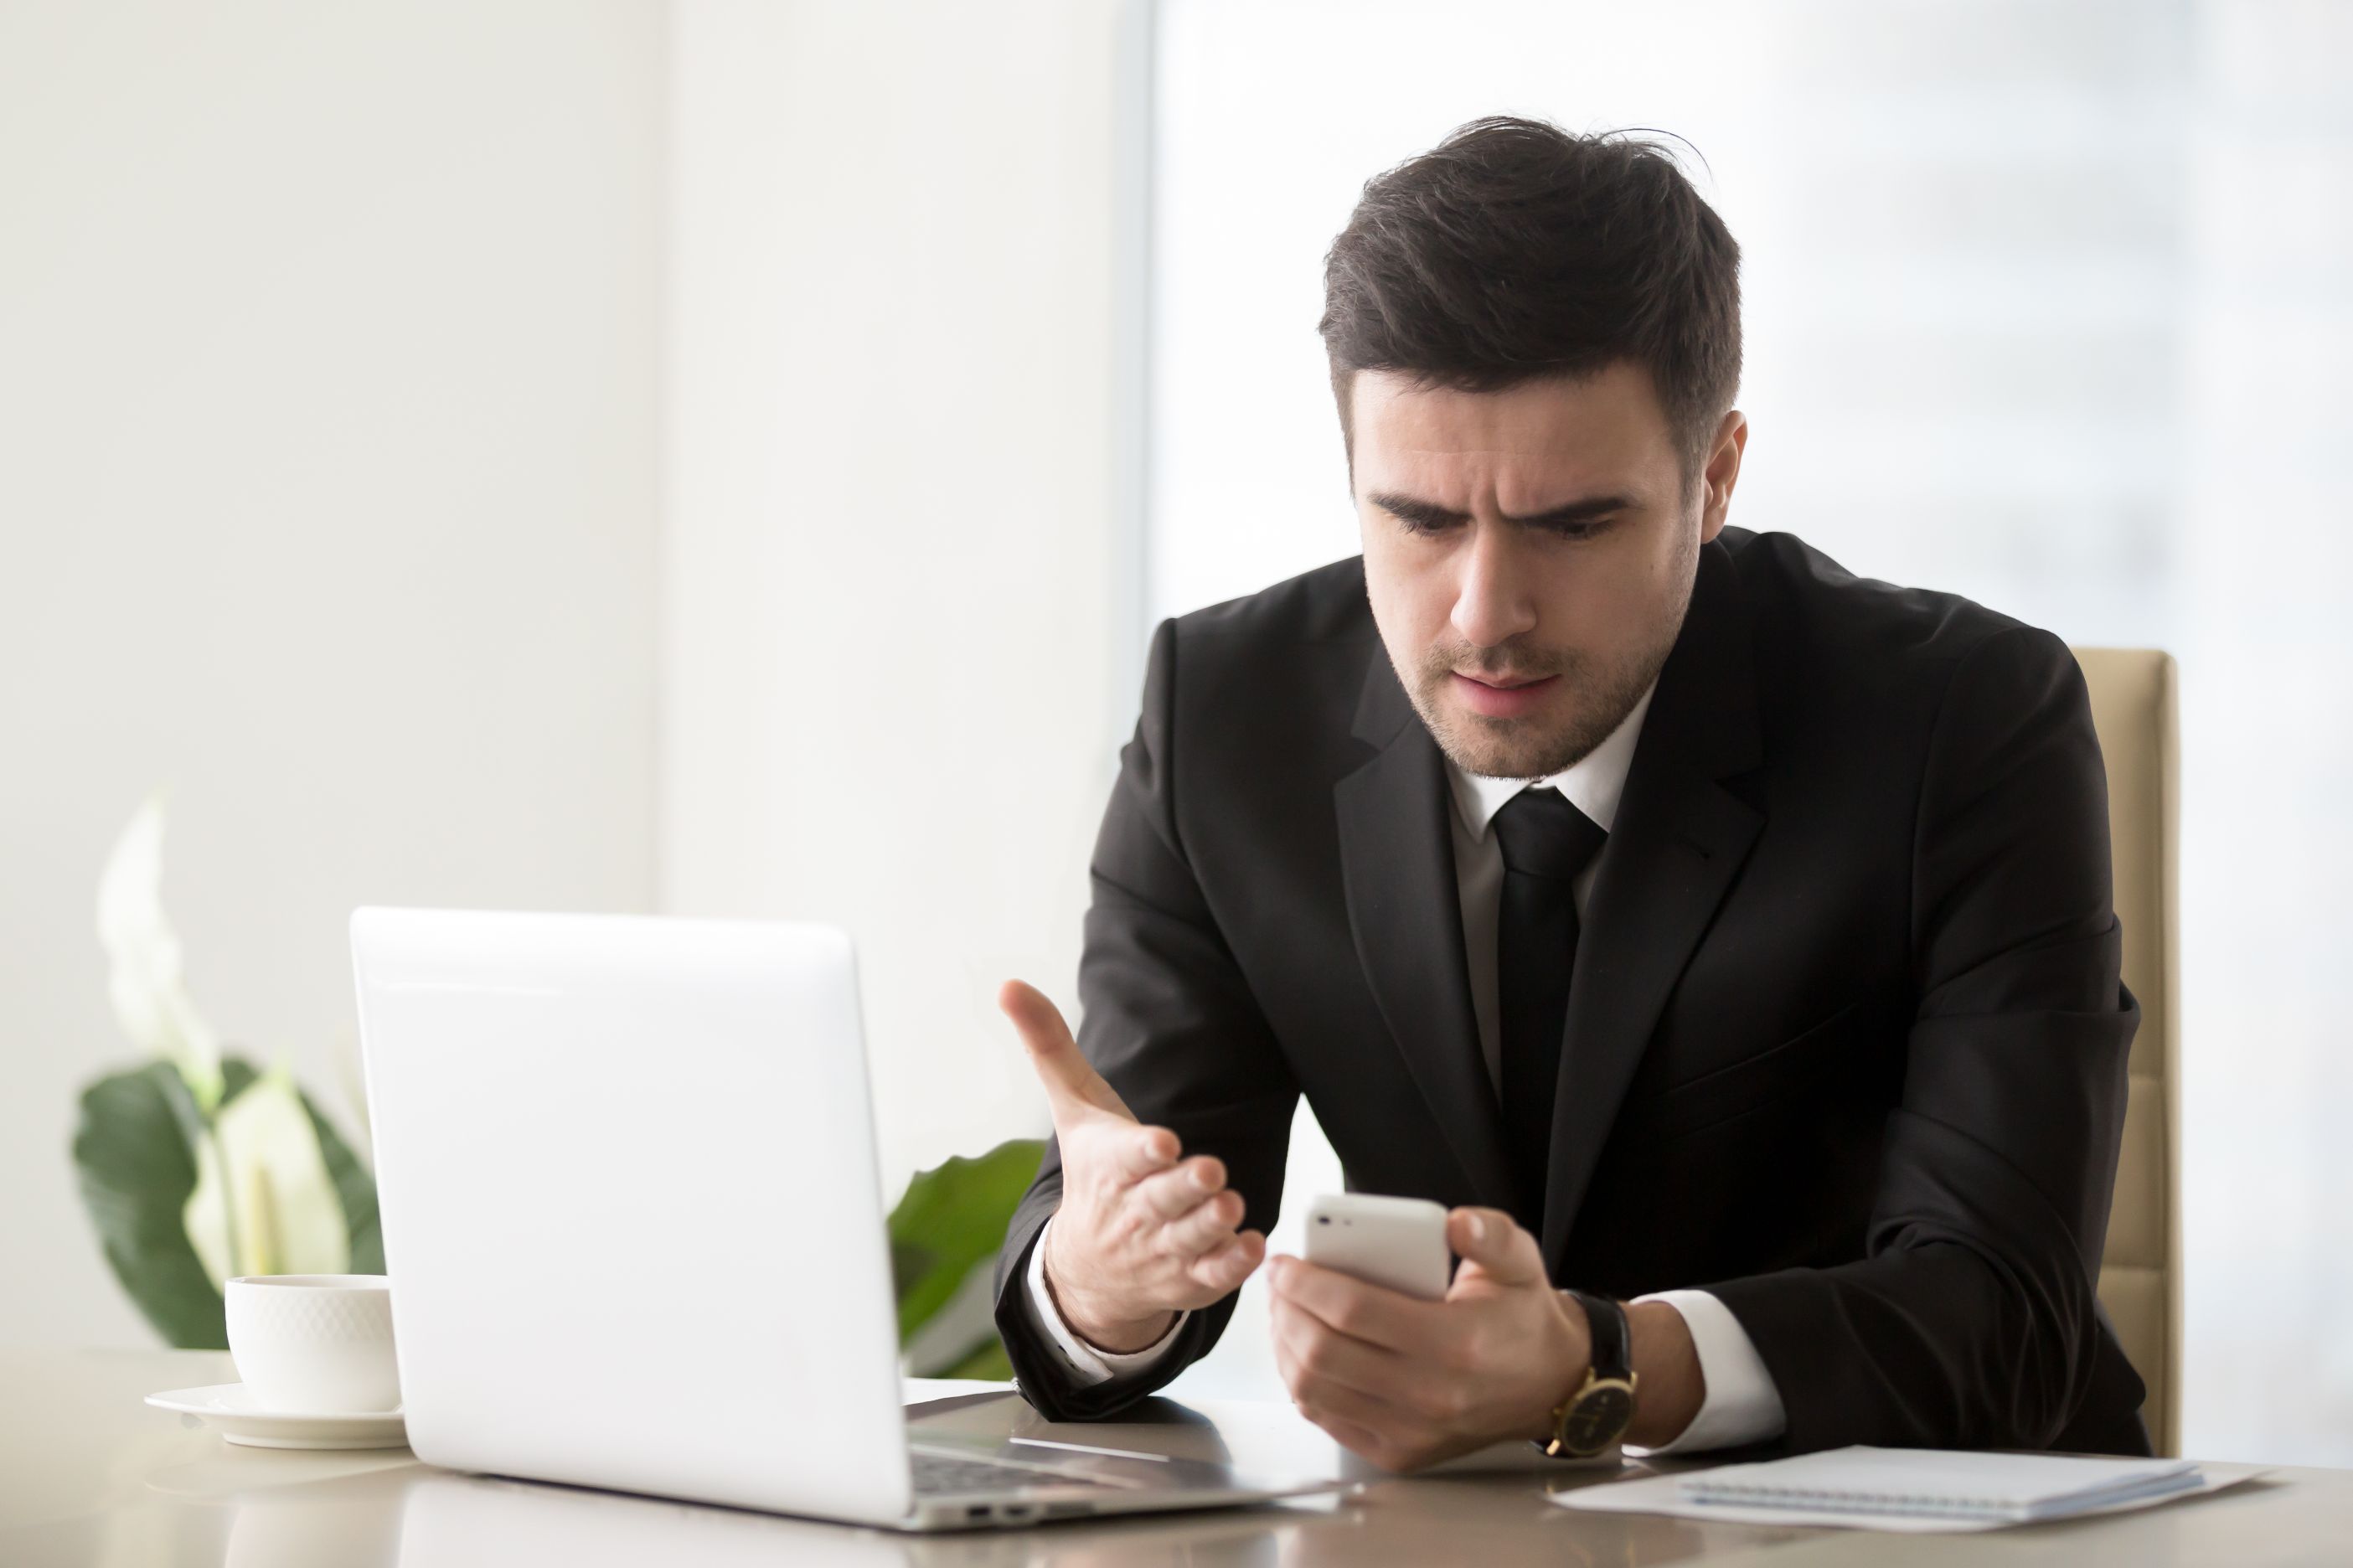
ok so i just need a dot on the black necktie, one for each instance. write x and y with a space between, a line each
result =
1546 843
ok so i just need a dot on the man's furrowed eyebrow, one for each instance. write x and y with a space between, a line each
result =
1422 514
1429 514
1584 510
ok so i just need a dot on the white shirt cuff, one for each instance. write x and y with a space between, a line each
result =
1740 1404
1087 1364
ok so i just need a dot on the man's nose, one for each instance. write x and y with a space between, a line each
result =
1494 598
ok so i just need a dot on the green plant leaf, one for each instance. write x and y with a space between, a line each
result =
134 1154
355 1189
136 1168
952 1220
237 1077
989 1363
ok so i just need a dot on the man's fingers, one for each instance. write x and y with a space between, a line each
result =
1350 1435
1325 1356
1224 1267
1363 1437
1137 1152
1069 1078
1175 1193
1495 1242
1210 1225
1321 1393
1383 1317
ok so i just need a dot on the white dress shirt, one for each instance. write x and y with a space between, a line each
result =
1740 1404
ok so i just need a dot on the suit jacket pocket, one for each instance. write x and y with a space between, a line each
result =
1806 1062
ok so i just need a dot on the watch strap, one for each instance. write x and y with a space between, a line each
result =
1613 1347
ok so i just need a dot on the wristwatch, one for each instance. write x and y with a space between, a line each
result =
1602 1408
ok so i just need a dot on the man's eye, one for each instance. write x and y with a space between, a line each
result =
1584 529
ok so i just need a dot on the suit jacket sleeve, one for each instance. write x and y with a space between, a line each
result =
1169 1020
1971 1319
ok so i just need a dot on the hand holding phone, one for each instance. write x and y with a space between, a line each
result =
1397 1243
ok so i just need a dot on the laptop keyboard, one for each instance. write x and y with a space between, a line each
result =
939 1473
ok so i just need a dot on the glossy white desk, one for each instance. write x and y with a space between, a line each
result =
91 1475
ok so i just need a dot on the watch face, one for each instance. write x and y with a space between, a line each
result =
1598 1418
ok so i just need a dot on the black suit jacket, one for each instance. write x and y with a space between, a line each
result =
1846 1038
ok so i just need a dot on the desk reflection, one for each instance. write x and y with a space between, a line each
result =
277 1510
461 1521
464 1520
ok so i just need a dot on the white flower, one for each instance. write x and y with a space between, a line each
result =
289 1219
144 981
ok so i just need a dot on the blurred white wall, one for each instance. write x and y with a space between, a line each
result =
328 437
374 380
890 549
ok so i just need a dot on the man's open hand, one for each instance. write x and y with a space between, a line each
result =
1141 1235
1407 1383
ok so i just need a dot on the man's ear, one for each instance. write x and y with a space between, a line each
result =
1722 471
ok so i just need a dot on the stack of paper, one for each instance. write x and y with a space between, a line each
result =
2010 1488
1910 1489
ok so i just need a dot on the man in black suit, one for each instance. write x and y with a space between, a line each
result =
1725 940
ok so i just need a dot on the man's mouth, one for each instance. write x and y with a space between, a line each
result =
1501 696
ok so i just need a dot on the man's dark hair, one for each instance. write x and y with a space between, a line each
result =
1514 250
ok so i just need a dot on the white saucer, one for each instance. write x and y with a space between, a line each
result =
229 1407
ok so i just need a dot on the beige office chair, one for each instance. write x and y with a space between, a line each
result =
2133 708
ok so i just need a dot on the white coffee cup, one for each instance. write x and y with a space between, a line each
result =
314 1343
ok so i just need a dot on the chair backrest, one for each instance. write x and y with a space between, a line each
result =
2133 707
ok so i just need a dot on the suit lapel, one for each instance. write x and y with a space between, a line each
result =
1680 839
1396 862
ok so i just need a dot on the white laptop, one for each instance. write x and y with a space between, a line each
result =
636 1233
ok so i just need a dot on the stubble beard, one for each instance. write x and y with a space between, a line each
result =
1532 748
1599 694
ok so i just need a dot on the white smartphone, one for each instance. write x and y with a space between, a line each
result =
1400 1243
